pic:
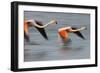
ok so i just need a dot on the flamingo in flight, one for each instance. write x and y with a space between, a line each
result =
38 25
63 33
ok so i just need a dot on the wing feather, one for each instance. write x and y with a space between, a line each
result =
41 30
78 33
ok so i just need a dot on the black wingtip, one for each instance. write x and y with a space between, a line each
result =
78 33
42 30
45 36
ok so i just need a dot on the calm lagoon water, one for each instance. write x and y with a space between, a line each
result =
51 49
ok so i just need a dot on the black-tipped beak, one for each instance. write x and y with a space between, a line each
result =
56 22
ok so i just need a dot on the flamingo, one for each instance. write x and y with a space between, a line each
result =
64 32
38 25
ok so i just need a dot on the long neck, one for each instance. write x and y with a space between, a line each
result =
82 28
43 26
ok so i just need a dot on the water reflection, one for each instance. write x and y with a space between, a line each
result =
65 49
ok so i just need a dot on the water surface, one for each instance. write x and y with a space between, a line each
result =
46 50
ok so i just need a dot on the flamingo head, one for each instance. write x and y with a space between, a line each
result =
53 21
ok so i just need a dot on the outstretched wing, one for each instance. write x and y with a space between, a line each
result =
78 33
41 30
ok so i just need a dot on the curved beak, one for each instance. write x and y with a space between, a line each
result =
53 21
56 22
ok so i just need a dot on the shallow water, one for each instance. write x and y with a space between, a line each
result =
52 49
